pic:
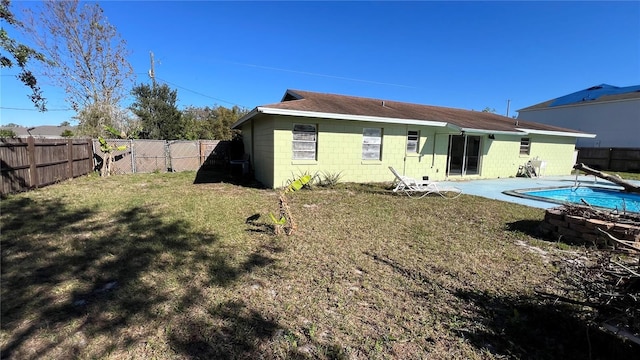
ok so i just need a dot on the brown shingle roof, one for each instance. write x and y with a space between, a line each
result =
298 100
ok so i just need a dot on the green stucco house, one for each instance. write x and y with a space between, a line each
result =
361 137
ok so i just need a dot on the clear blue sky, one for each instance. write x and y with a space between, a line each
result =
468 55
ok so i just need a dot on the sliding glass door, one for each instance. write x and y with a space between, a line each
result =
464 155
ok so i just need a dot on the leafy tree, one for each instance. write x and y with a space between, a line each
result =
108 150
6 133
12 125
65 123
16 54
89 59
212 123
67 134
95 118
223 120
160 118
489 110
196 124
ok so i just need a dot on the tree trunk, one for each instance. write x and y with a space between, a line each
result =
628 187
106 165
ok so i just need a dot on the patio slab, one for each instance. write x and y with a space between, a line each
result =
493 188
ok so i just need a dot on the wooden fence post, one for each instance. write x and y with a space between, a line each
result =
201 159
33 169
69 159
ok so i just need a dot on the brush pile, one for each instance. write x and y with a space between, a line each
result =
606 279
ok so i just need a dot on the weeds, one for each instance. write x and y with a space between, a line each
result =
366 275
286 220
328 179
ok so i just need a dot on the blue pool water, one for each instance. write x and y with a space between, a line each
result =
600 197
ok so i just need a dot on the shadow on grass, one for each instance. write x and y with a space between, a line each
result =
238 337
259 226
228 175
518 327
536 328
68 271
528 227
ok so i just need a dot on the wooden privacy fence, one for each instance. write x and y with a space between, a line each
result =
613 159
31 163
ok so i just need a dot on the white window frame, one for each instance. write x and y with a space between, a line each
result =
304 145
525 146
413 141
372 144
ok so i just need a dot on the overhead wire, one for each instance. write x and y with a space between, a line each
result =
199 93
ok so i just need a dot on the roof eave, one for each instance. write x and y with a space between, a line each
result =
245 118
326 115
536 108
558 133
494 132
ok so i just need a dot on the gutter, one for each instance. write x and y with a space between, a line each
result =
558 133
495 132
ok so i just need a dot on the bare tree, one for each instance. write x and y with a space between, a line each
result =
89 57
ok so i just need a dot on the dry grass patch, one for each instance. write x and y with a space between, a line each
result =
155 266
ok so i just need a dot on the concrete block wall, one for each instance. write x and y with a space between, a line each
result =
339 150
558 225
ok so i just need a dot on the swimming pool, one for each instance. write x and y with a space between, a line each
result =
594 196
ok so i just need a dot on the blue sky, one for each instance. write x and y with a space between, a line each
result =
468 55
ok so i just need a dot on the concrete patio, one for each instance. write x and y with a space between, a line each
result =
493 188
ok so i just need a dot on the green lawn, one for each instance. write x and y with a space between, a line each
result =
155 266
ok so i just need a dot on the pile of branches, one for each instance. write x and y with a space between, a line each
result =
608 281
589 212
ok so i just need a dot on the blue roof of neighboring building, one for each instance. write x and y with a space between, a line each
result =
593 93
598 93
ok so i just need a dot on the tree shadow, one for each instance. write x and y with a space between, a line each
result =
67 269
523 327
528 227
259 226
12 181
537 328
236 337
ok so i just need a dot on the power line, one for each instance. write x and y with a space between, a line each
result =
201 94
318 74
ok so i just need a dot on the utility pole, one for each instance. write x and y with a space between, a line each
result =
152 71
508 103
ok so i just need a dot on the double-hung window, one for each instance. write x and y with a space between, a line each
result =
305 138
371 143
525 146
413 141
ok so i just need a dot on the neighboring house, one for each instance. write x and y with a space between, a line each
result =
360 137
610 112
41 132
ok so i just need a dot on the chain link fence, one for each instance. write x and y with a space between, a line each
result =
147 156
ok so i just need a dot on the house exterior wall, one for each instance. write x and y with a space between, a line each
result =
339 150
502 156
616 123
258 139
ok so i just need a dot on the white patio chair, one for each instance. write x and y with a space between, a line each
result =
421 188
